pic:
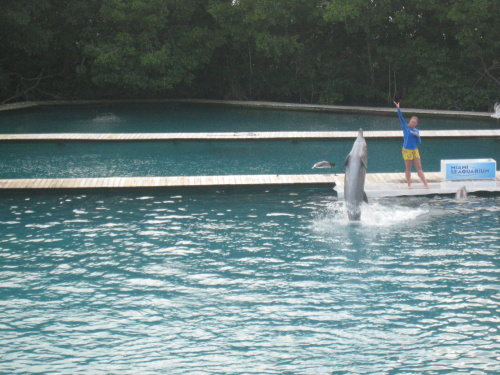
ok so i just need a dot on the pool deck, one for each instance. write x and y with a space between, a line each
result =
241 136
377 184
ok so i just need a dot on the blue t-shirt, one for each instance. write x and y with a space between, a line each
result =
410 141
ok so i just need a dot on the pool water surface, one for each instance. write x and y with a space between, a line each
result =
248 282
241 281
80 160
185 117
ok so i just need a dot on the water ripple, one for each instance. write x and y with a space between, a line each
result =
261 283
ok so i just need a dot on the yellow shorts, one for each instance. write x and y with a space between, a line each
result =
410 154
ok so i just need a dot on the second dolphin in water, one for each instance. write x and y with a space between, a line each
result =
461 193
323 164
355 166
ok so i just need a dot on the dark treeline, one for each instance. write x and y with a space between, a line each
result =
426 53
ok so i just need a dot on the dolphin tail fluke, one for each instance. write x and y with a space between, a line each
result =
365 198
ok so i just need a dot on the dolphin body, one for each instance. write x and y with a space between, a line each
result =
323 164
461 193
355 166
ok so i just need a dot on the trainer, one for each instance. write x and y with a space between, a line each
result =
410 150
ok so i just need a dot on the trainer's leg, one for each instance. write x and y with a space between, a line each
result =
420 172
408 172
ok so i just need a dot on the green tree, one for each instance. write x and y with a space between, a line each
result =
40 49
23 40
150 46
434 54
365 52
368 32
477 23
269 47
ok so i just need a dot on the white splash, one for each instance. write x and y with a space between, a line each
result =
497 111
106 118
374 215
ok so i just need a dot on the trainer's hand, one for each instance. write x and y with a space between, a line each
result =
397 104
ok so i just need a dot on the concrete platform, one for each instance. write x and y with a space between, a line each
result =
439 187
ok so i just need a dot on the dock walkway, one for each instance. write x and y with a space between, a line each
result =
241 136
377 184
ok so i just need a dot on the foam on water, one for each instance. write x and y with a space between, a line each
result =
106 118
382 214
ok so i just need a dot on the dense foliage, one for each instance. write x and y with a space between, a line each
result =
437 54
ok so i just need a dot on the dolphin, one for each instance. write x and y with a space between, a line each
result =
461 193
354 181
323 164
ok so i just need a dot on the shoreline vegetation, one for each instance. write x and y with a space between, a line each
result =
425 54
247 104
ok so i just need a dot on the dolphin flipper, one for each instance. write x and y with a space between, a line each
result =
364 160
346 163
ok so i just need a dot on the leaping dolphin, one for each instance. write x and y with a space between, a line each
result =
323 164
461 193
354 182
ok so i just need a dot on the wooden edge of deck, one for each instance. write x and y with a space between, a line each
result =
376 183
166 182
241 136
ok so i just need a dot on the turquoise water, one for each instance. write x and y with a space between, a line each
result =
251 282
242 282
179 117
219 158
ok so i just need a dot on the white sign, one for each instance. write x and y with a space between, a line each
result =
468 169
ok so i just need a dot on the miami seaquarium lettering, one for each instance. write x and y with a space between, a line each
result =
468 169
